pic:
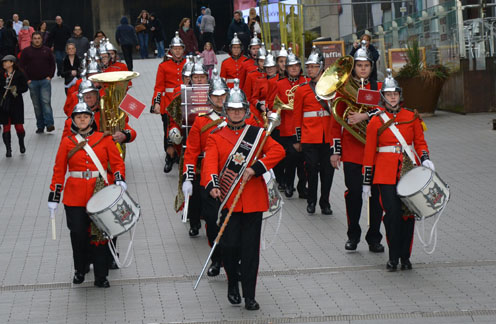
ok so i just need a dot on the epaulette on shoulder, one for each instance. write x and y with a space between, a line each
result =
217 129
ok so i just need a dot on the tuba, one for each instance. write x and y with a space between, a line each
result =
113 119
337 77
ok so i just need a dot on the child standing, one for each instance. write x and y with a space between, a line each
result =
209 58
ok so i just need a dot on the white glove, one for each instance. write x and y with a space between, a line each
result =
187 188
122 184
428 164
366 192
52 206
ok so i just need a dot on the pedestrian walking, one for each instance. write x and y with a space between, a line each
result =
14 84
42 28
125 36
38 64
207 28
80 41
157 35
16 24
57 39
239 27
142 28
209 58
9 39
24 35
71 66
188 36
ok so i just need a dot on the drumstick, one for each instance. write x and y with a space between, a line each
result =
54 227
185 209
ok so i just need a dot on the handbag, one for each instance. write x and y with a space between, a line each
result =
139 28
2 101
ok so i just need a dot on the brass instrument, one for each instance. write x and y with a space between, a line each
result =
279 105
337 78
113 119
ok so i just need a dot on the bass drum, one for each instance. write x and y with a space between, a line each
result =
275 198
423 192
113 210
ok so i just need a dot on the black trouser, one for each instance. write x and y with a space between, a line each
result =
165 124
399 231
242 238
210 208
127 51
293 162
207 37
317 160
78 223
195 205
353 180
279 168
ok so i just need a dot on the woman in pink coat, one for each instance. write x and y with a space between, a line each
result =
24 36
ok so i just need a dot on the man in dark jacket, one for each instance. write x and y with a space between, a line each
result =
38 64
239 26
125 36
9 39
81 42
57 39
157 35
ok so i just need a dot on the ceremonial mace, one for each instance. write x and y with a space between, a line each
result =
274 120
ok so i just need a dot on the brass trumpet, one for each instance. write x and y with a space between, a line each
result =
337 78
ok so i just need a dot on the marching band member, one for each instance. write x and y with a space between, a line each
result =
168 77
349 150
281 57
228 157
232 67
255 76
260 85
285 133
193 155
114 64
79 188
311 120
250 64
384 162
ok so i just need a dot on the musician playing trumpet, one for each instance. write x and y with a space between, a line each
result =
386 159
346 148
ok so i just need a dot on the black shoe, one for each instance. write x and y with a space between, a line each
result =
7 141
406 264
78 278
233 294
376 247
281 187
350 245
22 147
214 269
193 231
102 282
326 210
113 265
311 208
50 128
251 304
391 266
168 163
288 191
39 131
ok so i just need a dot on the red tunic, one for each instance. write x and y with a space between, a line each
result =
316 126
78 191
169 76
233 69
279 88
249 65
256 91
351 148
197 141
254 196
387 165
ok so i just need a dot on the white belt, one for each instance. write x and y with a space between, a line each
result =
391 149
230 80
169 90
320 113
84 174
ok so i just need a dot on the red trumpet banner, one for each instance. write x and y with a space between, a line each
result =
368 97
132 106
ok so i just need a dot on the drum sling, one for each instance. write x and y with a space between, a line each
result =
237 162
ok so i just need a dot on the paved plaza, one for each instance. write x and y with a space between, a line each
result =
305 276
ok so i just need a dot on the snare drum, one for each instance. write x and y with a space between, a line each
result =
423 192
113 210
